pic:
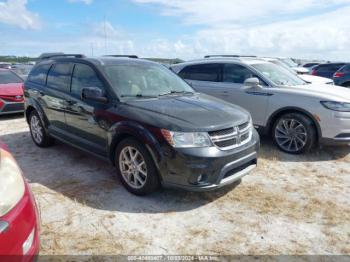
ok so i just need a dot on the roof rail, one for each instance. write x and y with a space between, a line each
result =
127 56
237 56
59 54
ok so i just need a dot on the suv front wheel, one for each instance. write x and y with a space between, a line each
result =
294 133
136 168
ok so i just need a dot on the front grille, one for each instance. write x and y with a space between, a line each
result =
233 137
222 132
13 107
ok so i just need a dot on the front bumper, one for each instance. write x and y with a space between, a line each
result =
335 128
21 220
7 107
204 169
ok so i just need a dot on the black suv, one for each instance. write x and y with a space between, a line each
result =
143 118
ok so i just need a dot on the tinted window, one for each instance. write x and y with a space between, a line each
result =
7 77
205 72
84 76
328 67
345 69
236 73
59 76
38 74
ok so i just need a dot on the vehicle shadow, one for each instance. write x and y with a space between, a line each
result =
11 116
91 181
269 151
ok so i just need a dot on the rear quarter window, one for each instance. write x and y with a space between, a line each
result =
38 74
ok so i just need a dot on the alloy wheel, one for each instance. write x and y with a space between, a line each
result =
291 135
36 129
133 167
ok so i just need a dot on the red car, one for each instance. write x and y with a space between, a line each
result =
11 92
19 220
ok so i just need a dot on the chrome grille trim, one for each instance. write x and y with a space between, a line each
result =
235 137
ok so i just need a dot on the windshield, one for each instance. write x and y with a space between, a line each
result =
278 75
7 77
289 62
145 80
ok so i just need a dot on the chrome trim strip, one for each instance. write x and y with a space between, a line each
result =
238 175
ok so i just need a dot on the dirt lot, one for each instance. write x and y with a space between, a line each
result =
289 205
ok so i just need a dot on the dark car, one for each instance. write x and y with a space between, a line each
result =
342 76
144 119
326 70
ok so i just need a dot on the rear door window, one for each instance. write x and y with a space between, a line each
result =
84 76
59 76
203 72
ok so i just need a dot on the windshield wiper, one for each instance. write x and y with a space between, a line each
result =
139 96
174 92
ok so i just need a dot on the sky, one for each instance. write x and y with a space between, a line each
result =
311 29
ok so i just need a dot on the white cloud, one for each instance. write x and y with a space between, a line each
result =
209 12
299 28
87 2
15 12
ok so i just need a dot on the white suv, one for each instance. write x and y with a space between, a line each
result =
297 114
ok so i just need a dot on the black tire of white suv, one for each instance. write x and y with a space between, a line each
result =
294 133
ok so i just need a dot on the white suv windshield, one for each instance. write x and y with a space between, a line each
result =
278 75
142 80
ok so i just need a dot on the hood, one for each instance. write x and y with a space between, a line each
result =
323 91
15 89
194 113
301 70
316 79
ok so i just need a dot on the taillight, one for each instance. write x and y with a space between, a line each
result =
338 74
314 72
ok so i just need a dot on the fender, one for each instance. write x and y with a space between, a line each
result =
123 129
32 103
291 109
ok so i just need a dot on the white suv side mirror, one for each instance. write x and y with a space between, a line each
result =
252 82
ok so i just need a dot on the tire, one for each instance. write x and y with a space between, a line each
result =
38 132
137 179
347 84
294 133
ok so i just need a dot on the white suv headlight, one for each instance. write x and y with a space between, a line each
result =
336 106
186 139
11 183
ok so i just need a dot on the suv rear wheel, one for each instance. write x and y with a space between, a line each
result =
136 168
294 133
37 131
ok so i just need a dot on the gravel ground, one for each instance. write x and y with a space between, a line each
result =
289 205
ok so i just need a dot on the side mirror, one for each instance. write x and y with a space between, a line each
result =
93 94
252 82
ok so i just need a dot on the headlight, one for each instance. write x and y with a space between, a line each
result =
185 139
11 183
336 106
